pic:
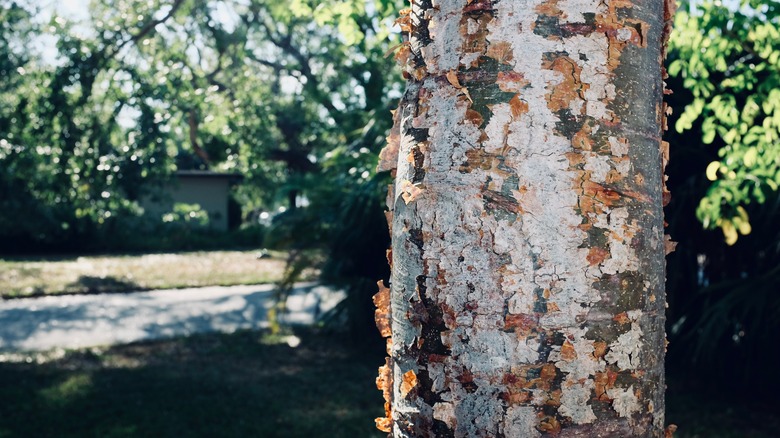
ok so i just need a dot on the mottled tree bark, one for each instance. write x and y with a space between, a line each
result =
528 249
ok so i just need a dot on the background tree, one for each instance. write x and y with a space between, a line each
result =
141 89
725 168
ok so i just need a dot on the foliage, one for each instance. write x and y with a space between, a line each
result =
344 217
142 88
728 60
189 214
723 303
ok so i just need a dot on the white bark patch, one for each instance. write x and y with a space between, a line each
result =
585 364
622 165
445 35
595 74
624 34
598 166
490 350
624 401
521 302
404 169
618 146
624 352
437 376
497 128
574 401
573 9
520 422
623 257
444 411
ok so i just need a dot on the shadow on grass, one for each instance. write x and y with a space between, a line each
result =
84 285
88 284
251 384
204 386
706 409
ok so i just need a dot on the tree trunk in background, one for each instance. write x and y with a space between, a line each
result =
527 294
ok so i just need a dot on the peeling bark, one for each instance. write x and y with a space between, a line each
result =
528 250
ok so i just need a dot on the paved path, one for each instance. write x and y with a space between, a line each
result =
37 324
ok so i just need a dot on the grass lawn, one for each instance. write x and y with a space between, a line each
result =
250 384
123 273
240 385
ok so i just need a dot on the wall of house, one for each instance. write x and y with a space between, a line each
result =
210 192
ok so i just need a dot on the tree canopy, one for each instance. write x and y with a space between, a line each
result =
724 174
276 91
728 60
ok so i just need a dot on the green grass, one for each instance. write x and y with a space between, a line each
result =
251 384
240 385
124 273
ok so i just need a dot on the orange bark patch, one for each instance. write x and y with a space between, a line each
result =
389 218
600 193
474 117
384 383
669 244
523 324
518 106
664 154
581 140
452 78
388 157
403 55
621 32
603 382
549 424
599 349
597 255
405 20
613 176
621 318
410 192
550 7
567 351
570 88
476 159
574 158
382 313
511 81
408 382
548 372
384 424
516 397
501 51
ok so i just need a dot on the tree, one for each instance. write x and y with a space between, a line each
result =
279 92
527 296
728 61
722 286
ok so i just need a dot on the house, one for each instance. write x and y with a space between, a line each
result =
208 189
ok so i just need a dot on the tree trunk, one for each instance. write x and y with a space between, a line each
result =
527 293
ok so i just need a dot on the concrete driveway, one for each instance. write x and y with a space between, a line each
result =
75 321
